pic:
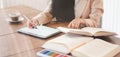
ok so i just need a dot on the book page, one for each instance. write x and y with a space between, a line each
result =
74 31
98 31
97 48
68 42
88 31
92 30
65 30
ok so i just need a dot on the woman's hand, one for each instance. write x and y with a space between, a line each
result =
32 23
80 23
76 23
91 23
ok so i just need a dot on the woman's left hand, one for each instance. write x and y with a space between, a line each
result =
76 23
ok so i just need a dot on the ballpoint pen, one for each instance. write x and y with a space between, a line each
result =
30 20
39 23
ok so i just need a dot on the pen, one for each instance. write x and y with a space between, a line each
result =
30 20
39 23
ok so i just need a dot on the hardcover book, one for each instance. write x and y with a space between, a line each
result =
80 46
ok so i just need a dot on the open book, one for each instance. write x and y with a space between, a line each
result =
87 31
80 46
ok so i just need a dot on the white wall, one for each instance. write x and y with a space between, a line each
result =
111 18
1 4
37 4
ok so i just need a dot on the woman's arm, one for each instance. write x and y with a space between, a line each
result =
45 16
96 14
42 18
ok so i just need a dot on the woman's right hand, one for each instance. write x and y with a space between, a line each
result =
32 23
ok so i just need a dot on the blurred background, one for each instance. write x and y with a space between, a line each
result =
37 4
110 19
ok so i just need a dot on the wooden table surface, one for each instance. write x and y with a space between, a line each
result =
14 44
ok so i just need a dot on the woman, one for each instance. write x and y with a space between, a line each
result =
77 12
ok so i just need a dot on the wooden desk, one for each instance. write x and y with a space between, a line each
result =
13 44
6 27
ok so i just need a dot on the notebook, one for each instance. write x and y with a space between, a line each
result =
41 31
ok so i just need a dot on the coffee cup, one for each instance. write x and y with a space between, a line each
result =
14 16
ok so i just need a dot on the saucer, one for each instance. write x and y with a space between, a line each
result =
20 20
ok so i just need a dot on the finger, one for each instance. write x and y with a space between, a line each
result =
70 24
91 25
95 24
88 23
78 24
35 23
75 25
30 24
